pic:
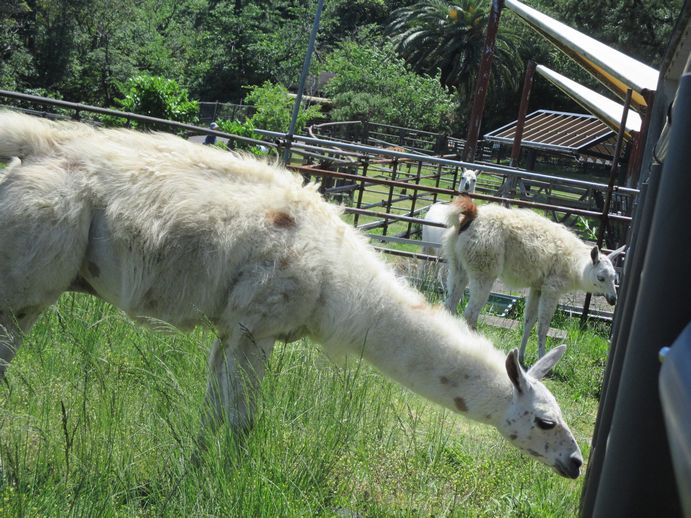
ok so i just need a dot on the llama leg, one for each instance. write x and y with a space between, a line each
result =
424 267
10 340
236 368
529 319
43 237
546 308
479 294
457 280
12 330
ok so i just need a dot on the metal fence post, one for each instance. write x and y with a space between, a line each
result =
604 219
303 78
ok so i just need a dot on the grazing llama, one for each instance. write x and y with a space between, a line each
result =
525 250
192 235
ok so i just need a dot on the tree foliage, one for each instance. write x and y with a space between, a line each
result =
372 83
81 50
157 97
435 36
639 28
15 58
274 108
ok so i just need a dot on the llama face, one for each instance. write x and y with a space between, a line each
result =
601 276
468 181
533 421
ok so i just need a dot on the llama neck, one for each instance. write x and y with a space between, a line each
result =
423 348
584 263
574 260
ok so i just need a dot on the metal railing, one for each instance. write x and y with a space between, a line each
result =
389 189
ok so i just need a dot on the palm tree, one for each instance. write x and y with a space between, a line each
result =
433 35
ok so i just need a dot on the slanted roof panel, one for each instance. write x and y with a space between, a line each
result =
609 111
614 69
556 131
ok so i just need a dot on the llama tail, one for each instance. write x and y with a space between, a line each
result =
24 136
462 213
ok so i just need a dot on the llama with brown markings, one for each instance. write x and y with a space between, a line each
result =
439 213
193 235
525 250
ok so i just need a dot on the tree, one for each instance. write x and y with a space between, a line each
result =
15 60
433 35
372 83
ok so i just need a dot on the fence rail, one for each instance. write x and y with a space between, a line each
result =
386 190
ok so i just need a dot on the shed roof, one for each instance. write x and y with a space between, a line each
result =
614 69
561 132
610 112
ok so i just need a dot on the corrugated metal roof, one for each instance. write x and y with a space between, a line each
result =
601 153
614 69
556 131
607 110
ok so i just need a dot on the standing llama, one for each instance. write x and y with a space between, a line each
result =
439 213
525 250
192 235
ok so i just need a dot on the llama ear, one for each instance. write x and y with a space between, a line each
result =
616 253
515 371
545 364
595 254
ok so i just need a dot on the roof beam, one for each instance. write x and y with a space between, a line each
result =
617 71
605 109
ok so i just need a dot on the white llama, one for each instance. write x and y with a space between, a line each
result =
525 250
439 213
190 235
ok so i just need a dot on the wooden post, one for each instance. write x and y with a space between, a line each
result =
389 201
522 111
482 82
638 142
413 200
361 190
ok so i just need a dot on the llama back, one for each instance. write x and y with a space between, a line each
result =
26 137
519 245
437 213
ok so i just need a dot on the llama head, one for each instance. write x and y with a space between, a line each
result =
468 180
600 276
533 420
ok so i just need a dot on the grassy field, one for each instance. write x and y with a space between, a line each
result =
98 417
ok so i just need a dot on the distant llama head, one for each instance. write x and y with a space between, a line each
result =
533 421
600 276
468 181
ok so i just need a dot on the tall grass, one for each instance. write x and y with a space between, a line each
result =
99 416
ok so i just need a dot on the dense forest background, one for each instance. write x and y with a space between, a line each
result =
411 63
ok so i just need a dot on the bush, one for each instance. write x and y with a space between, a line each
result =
159 97
274 108
242 129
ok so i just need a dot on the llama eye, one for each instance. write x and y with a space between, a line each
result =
601 278
545 424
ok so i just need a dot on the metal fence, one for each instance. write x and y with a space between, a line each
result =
209 112
386 190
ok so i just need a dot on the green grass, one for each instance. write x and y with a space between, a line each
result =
98 417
